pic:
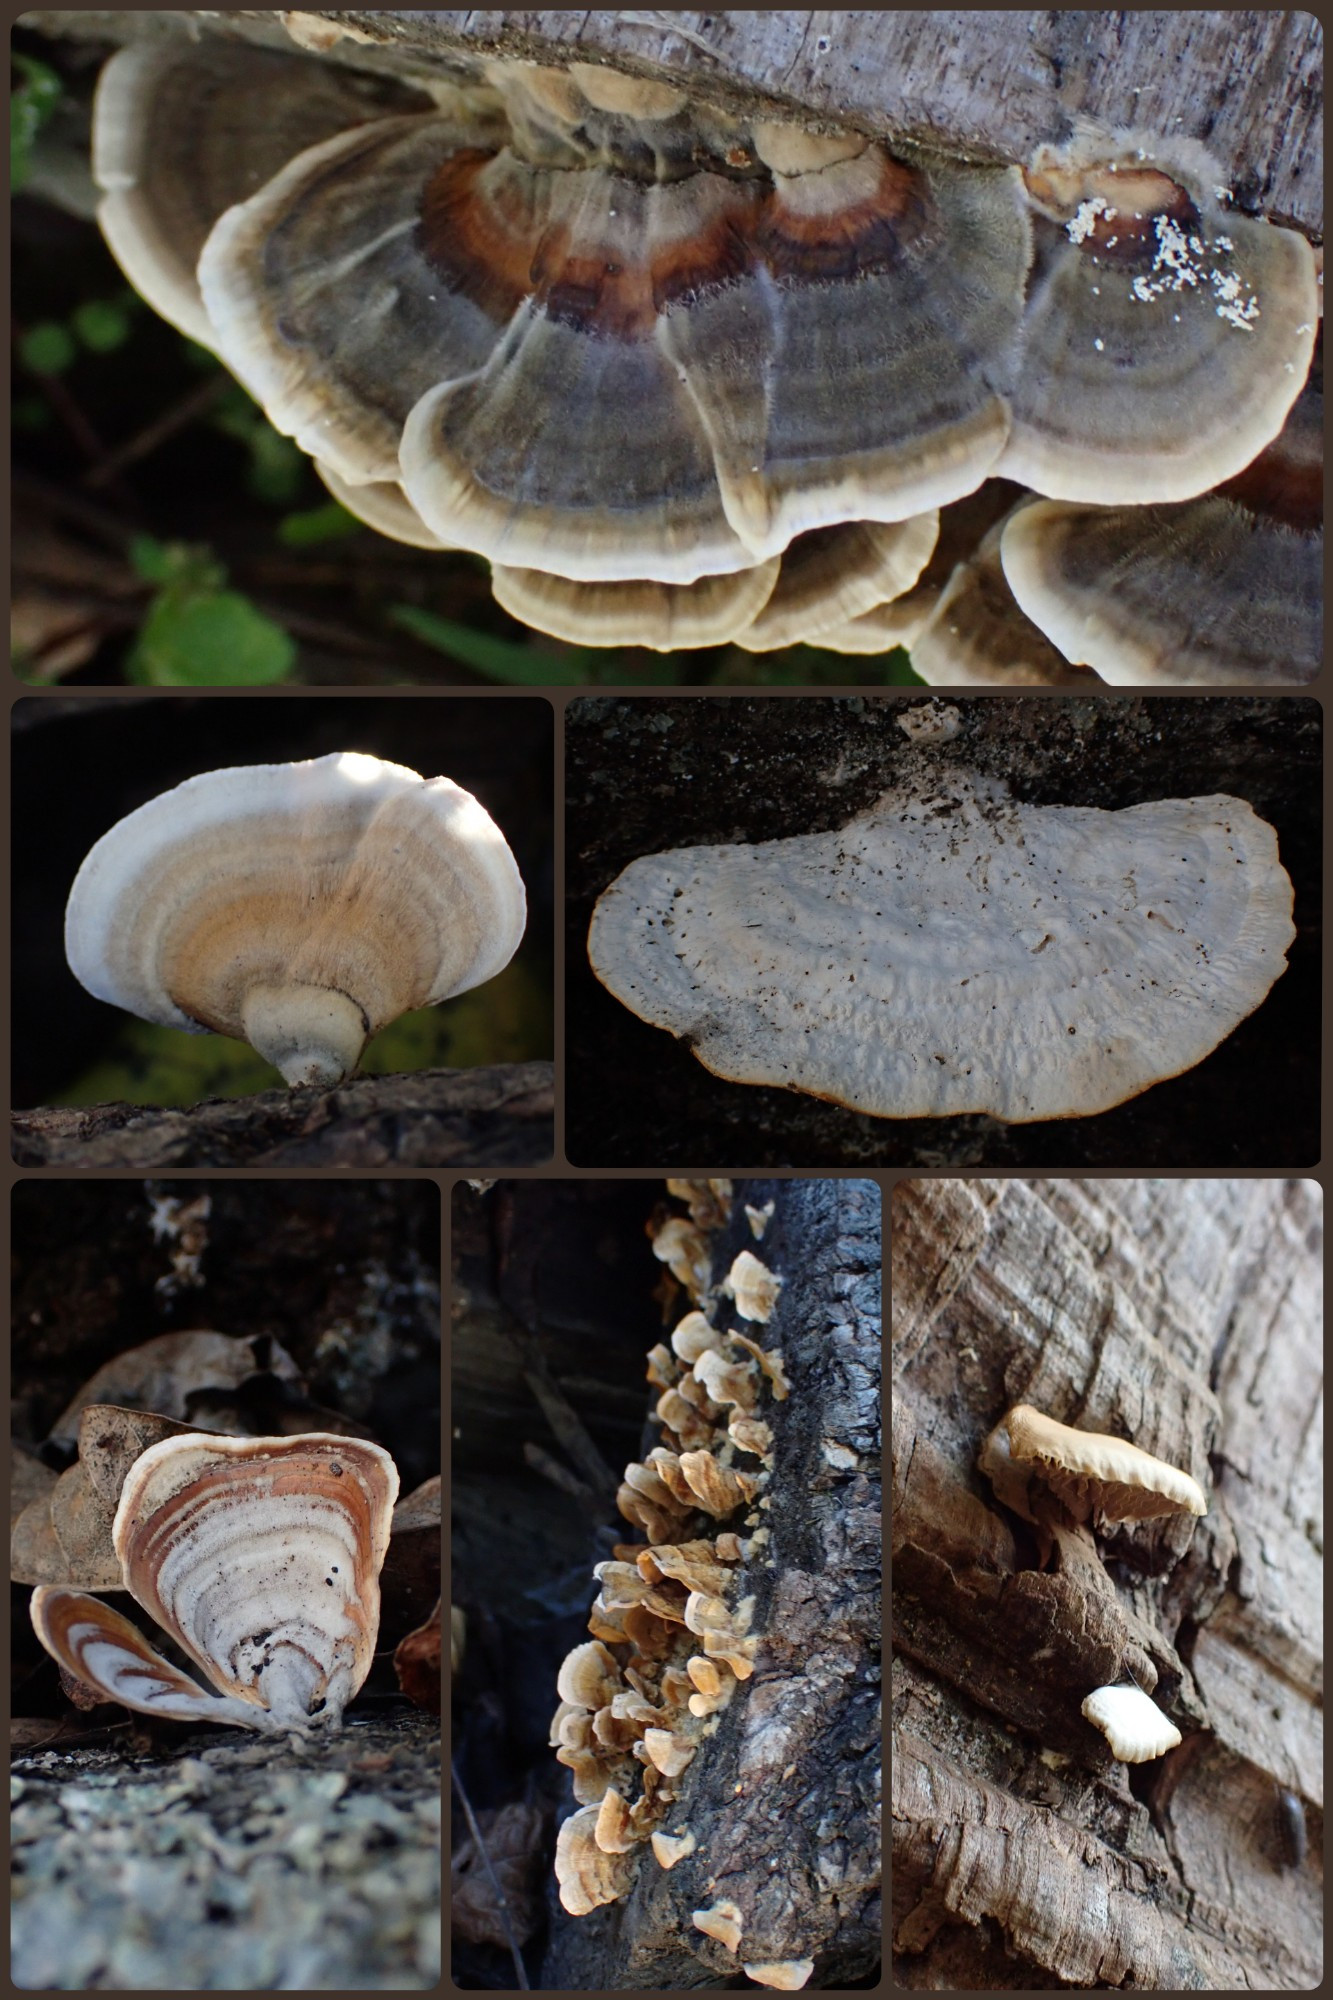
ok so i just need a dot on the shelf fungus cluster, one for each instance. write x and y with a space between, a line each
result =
683 375
1066 1482
952 951
672 1633
260 1558
298 907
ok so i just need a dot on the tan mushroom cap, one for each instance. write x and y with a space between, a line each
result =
1164 338
1095 1474
951 951
833 575
885 628
666 617
299 907
183 129
976 635
586 1873
1224 589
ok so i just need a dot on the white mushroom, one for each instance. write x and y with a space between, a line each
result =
1134 1726
950 951
260 1557
299 907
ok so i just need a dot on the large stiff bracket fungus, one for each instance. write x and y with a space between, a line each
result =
1065 1481
299 907
952 951
260 1558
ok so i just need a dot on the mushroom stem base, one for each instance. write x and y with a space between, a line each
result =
311 1034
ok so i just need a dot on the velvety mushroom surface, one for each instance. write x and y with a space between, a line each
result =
299 907
952 951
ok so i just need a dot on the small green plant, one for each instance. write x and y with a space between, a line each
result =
31 103
197 633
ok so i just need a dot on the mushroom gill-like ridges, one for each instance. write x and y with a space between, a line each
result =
957 952
297 906
183 129
261 1558
1164 338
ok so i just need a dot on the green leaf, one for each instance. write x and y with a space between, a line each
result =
47 349
209 639
188 564
307 530
504 660
29 108
102 325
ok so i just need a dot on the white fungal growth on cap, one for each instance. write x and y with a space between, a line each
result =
1134 1726
299 907
951 951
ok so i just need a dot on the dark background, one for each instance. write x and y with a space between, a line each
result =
645 776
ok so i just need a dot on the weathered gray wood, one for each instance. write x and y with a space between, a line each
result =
1186 1314
499 1116
995 85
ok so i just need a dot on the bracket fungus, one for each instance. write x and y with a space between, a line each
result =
1132 1724
1165 338
1093 1476
260 1557
949 950
299 907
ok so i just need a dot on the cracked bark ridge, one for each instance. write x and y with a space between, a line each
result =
501 1116
1187 1315
783 1800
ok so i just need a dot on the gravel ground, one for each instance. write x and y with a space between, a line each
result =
230 1864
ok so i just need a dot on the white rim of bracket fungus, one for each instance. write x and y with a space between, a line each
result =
949 951
1134 1726
300 907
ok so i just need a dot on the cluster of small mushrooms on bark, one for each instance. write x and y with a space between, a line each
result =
951 951
687 376
1061 1480
672 1639
260 1558
298 907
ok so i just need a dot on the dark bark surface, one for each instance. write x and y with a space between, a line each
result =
501 1116
784 1798
994 85
643 776
1186 1316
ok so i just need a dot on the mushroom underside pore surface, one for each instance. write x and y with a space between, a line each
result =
951 951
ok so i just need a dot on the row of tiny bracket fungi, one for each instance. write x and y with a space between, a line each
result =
672 1641
686 376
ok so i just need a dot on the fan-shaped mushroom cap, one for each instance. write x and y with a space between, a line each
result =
1134 1726
1164 339
835 574
587 1875
977 636
183 129
1223 589
957 952
613 354
299 907
1091 1473
667 617
261 1558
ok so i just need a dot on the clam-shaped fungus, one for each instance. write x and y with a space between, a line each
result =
299 907
260 1557
951 951
625 344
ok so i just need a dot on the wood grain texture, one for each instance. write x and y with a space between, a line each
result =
1185 1314
992 85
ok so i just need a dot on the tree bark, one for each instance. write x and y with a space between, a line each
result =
1186 1315
990 85
501 1116
782 1799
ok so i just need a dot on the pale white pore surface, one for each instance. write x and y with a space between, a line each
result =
1133 1725
300 906
951 951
